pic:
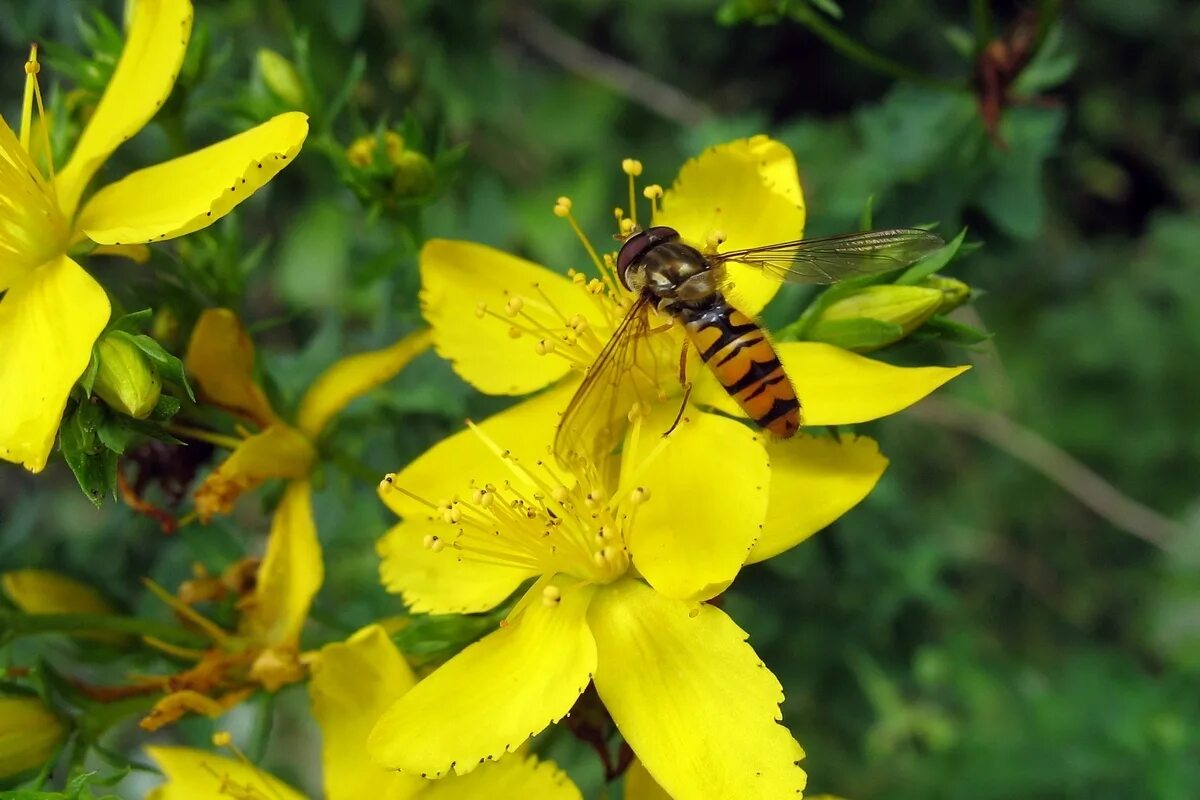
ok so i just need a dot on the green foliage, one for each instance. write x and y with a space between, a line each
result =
973 630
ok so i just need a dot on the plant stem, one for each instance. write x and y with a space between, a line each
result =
864 55
17 623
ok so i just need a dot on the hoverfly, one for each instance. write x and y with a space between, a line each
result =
686 285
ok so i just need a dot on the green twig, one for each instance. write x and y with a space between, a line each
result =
864 55
16 623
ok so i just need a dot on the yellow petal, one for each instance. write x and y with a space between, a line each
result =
220 357
691 697
354 376
49 321
837 387
42 591
193 191
687 542
201 775
814 480
442 582
141 82
448 467
353 683
137 253
280 451
640 784
747 189
513 776
495 694
30 733
291 571
34 230
457 277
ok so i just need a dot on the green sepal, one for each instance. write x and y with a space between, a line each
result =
168 366
944 329
94 464
933 262
132 322
88 381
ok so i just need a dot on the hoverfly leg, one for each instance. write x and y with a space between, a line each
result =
687 392
687 388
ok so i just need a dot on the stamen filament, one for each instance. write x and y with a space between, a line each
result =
31 70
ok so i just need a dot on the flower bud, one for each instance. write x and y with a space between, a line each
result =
43 591
29 735
414 175
281 78
954 292
126 380
362 151
853 321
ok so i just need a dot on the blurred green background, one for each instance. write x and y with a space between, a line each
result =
1003 617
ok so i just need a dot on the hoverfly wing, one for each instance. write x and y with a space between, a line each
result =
830 259
595 420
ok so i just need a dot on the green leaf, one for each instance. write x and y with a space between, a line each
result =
131 323
863 333
830 8
94 464
933 262
943 329
866 221
89 375
168 366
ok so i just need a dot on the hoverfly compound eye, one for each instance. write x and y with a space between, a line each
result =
633 249
638 245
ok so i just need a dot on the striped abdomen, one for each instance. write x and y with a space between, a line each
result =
738 352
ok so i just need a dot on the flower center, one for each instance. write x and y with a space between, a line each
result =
540 520
32 228
573 336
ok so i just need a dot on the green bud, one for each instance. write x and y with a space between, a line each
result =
281 77
29 735
954 292
126 380
875 316
414 175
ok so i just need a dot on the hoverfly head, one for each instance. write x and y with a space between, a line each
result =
636 247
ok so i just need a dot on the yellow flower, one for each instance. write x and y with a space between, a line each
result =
619 571
352 683
521 327
29 734
52 310
265 649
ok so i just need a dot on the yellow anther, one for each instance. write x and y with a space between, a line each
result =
596 286
562 207
478 495
481 309
578 323
604 534
433 543
551 595
560 493
636 412
32 67
514 332
626 226
639 495
579 279
452 515
388 483
544 347
631 167
222 739
487 499
715 239
619 213
652 192
514 306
